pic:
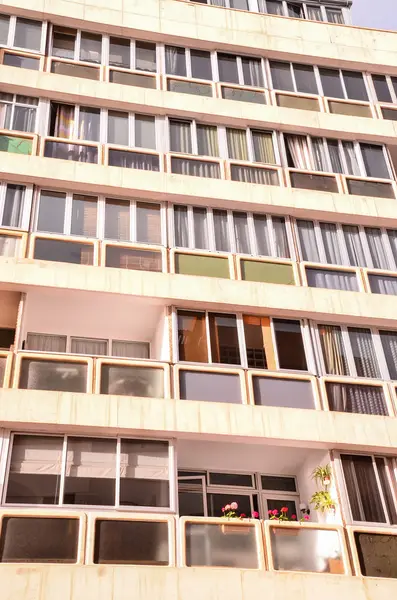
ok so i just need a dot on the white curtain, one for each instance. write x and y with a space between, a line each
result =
381 284
181 230
131 349
319 155
332 280
36 455
331 243
351 159
89 346
273 7
13 204
334 15
354 246
392 235
280 237
180 136
237 144
362 399
222 241
171 60
43 342
314 13
376 248
333 350
207 140
241 234
262 235
308 242
252 71
300 154
200 225
389 344
364 352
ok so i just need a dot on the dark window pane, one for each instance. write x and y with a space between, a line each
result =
295 10
201 64
63 42
389 344
254 343
227 65
175 61
290 349
24 62
73 70
355 86
210 387
60 251
281 76
288 393
39 539
217 501
364 352
375 189
305 79
377 554
51 212
131 542
384 472
192 338
232 479
90 471
7 337
224 339
374 160
119 52
252 72
145 57
332 280
239 4
331 83
13 204
28 34
362 488
279 483
4 25
381 88
91 47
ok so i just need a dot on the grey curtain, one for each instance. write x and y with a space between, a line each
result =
366 400
336 280
181 231
308 242
364 352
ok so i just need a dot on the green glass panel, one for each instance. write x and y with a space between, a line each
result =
209 266
266 272
15 145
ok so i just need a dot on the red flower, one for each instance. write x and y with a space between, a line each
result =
243 516
293 517
284 509
255 514
269 512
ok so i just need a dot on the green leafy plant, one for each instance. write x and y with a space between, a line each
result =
322 501
322 475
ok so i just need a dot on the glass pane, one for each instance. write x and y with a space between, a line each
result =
222 238
241 233
51 212
148 223
53 375
254 342
63 42
201 64
118 128
313 550
92 346
295 10
91 47
128 349
144 473
262 235
13 204
237 144
24 118
331 243
221 545
117 220
131 542
289 342
332 280
355 86
217 501
180 136
143 382
263 147
286 393
375 162
308 242
45 342
331 83
354 246
35 470
28 34
381 284
145 132
62 251
362 399
333 348
389 344
377 554
21 62
4 25
281 76
210 387
305 79
90 476
227 65
274 7
145 56
192 337
200 228
190 503
175 62
252 72
39 540
362 488
119 52
84 216
89 124
278 483
224 339
181 233
381 88
335 15
376 247
239 4
364 352
385 470
207 140
232 479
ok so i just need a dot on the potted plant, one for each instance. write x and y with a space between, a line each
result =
322 499
322 475
230 511
275 515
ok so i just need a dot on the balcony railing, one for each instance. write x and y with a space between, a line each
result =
13 243
5 368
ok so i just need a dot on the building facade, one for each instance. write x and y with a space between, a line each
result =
198 281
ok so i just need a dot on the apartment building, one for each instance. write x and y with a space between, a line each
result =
198 281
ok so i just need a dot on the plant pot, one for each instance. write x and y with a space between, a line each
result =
336 566
285 531
233 529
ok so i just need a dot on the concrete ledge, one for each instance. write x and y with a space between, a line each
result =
99 582
98 179
216 111
31 410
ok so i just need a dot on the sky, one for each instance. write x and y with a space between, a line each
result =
380 14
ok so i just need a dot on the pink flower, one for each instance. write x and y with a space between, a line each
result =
234 506
243 516
293 517
275 512
284 509
223 509
269 512
306 517
227 507
255 514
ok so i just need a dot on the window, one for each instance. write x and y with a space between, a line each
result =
18 112
293 77
22 33
78 45
130 54
385 88
231 231
295 10
190 137
250 145
242 70
338 83
71 214
349 351
370 482
15 202
133 220
272 7
74 122
186 62
89 471
128 129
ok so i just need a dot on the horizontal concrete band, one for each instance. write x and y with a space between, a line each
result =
123 182
32 410
211 110
202 292
215 27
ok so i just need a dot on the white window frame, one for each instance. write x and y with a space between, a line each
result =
13 103
193 123
250 144
77 47
172 464
292 71
188 63
342 81
11 34
132 44
252 241
101 201
344 492
131 117
26 205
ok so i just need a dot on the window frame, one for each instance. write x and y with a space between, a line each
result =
101 202
230 224
77 47
38 111
343 85
392 89
132 53
172 465
293 77
240 72
193 123
26 205
223 130
188 63
132 116
392 466
11 34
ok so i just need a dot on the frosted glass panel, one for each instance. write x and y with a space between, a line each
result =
145 382
53 375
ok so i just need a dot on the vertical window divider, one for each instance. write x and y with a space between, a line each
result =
208 334
133 221
264 73
391 89
240 70
63 470
103 125
250 145
133 54
222 141
160 58
190 227
307 346
317 350
292 70
357 148
11 30
77 45
131 130
118 472
101 218
380 356
241 340
230 224
44 28
76 124
105 58
389 464
174 334
193 135
278 147
271 234
342 79
5 462
251 234
165 232
173 475
349 351
380 489
290 237
188 63
3 191
388 161
318 80
68 213
274 344
214 65
211 229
